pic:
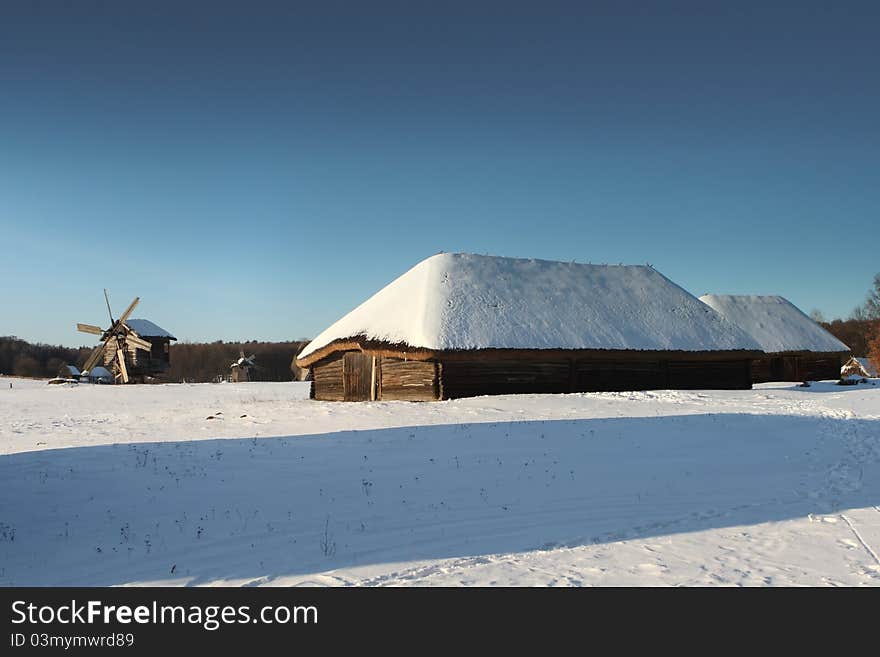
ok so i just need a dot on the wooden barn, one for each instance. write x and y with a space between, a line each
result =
461 325
795 347
141 363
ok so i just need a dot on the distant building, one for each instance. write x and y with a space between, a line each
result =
855 367
796 348
460 325
870 367
98 374
241 368
69 372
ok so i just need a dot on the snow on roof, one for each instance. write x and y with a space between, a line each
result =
146 329
868 366
774 322
99 372
73 369
466 301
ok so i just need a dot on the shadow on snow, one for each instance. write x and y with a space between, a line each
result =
258 509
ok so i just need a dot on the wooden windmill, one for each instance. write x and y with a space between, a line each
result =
116 342
240 370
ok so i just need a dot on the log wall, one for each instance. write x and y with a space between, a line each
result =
327 381
709 375
410 380
616 375
459 376
462 378
806 367
470 378
817 369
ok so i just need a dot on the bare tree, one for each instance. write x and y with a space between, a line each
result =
872 303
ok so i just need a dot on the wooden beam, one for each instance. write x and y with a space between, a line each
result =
138 342
418 354
89 328
123 372
128 310
95 355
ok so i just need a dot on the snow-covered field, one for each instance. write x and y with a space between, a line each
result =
135 485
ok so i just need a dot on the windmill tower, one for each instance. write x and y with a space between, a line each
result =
240 369
131 349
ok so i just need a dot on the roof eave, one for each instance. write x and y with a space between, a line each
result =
397 350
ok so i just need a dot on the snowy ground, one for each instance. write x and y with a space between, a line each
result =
134 485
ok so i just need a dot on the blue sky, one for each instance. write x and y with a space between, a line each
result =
254 172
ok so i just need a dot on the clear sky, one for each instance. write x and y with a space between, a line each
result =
255 170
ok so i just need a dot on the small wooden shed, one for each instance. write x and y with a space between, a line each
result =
69 372
460 325
855 368
795 347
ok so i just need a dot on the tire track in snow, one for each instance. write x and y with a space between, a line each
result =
861 540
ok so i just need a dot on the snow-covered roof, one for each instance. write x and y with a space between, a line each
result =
146 329
465 301
776 323
99 372
868 366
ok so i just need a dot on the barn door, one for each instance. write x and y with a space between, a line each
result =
777 369
357 376
790 365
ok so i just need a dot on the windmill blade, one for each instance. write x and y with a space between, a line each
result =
109 312
128 310
138 342
88 328
94 356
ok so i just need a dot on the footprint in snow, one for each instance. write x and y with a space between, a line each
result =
651 569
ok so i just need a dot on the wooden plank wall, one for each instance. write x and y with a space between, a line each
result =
610 375
796 368
409 380
161 351
327 382
709 375
449 379
466 378
357 369
461 378
761 370
817 369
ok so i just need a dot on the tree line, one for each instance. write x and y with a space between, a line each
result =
205 362
861 330
190 361
22 358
